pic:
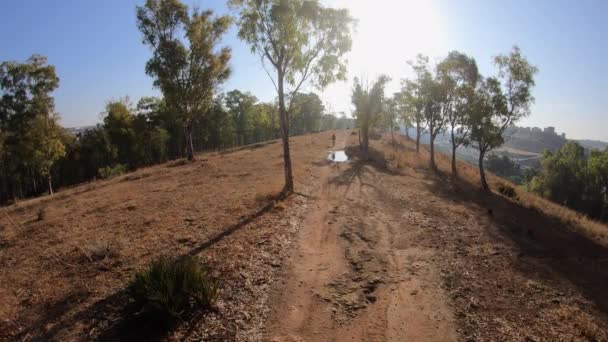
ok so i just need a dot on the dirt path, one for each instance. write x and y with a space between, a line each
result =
357 273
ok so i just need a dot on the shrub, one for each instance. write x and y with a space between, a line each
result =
102 249
169 287
507 190
109 172
41 213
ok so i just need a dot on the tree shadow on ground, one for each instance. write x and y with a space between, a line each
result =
541 239
358 165
113 317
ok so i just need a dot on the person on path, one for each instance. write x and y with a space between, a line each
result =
333 139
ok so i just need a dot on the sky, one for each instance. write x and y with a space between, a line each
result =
98 53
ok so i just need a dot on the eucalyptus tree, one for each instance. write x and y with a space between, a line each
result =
434 96
50 145
405 113
303 41
499 102
413 94
239 106
391 114
458 75
368 102
28 124
186 63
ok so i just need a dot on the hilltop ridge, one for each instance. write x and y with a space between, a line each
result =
376 248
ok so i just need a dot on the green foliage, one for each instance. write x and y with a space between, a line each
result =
30 136
458 76
306 113
169 287
186 63
303 41
564 175
572 178
503 166
499 102
241 109
118 125
369 106
109 172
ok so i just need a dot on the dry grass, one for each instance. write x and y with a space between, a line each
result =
51 289
404 154
104 249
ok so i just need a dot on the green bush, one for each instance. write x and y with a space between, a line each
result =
109 172
507 191
170 287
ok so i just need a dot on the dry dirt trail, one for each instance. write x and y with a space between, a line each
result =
356 272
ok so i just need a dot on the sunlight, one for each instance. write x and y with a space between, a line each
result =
388 34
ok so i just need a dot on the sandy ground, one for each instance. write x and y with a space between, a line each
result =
393 252
375 249
358 275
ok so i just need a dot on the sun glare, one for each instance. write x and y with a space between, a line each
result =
388 33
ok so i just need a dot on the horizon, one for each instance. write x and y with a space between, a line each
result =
97 62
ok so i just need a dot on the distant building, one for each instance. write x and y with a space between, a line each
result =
549 130
564 136
536 130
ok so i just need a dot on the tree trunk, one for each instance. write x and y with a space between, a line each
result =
189 144
284 121
432 145
365 138
482 174
417 136
454 172
50 184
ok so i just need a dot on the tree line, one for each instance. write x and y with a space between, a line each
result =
38 154
453 97
575 178
299 42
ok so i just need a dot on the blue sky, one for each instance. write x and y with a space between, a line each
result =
98 54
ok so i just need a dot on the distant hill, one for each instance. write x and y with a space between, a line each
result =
593 144
79 130
534 139
525 145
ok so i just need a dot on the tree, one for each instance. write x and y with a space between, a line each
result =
598 170
563 175
306 113
27 122
493 109
118 124
185 63
405 111
390 115
413 94
51 147
368 102
435 105
239 106
303 41
458 76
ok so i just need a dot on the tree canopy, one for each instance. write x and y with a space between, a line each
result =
185 63
303 41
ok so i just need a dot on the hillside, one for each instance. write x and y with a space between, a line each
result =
371 249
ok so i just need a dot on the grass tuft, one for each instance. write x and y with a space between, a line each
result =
170 287
507 191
